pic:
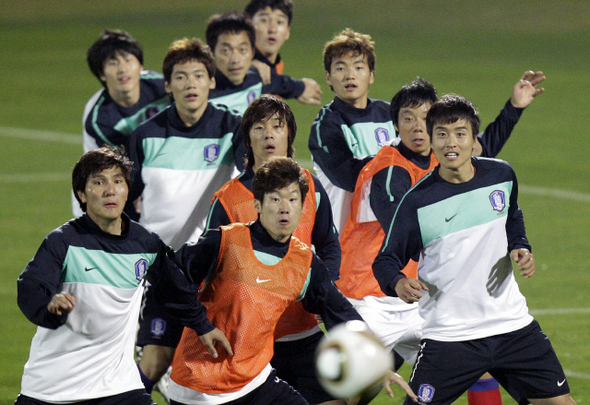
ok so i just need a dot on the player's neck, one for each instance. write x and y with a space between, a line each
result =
459 175
272 57
190 117
125 98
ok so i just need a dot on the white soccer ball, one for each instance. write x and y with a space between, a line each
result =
351 360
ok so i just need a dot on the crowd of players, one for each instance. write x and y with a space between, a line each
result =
201 155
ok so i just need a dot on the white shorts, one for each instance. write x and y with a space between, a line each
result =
397 324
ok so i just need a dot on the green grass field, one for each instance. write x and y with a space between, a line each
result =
478 49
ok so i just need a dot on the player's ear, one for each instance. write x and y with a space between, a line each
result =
167 87
212 84
328 79
82 196
258 206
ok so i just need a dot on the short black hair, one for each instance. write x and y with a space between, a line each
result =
95 161
262 109
185 50
452 108
107 46
233 22
413 95
286 6
277 173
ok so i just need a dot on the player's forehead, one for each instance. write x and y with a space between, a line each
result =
114 171
415 109
350 58
189 66
459 125
233 39
285 192
270 12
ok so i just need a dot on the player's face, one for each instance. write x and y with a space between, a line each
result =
412 128
269 138
233 56
272 30
453 145
350 77
105 195
190 84
121 73
280 211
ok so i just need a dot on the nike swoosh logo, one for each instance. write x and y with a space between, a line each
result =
448 219
560 383
89 268
259 280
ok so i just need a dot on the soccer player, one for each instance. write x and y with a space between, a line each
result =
269 129
83 288
252 273
352 128
181 157
463 221
381 185
130 95
272 23
231 37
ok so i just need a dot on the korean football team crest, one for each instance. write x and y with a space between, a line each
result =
498 200
141 267
251 96
211 152
382 136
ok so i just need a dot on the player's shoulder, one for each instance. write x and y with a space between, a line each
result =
155 125
493 166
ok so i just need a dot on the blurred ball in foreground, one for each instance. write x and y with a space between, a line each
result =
351 360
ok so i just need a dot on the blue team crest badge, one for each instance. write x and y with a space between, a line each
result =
382 136
251 96
150 112
498 200
141 267
212 152
425 393
158 327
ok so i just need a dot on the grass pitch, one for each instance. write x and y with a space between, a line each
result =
477 49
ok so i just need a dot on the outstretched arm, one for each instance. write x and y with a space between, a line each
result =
496 134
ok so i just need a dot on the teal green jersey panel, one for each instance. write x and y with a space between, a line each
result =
463 211
179 153
121 270
240 100
129 124
366 138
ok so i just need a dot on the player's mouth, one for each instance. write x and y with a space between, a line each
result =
235 71
271 40
350 87
419 141
191 97
124 80
270 148
451 155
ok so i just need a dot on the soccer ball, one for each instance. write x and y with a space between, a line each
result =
350 360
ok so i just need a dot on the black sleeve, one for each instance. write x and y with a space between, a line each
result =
136 155
284 85
217 217
497 133
323 298
199 259
515 229
175 290
331 152
387 189
324 236
239 148
40 281
402 242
